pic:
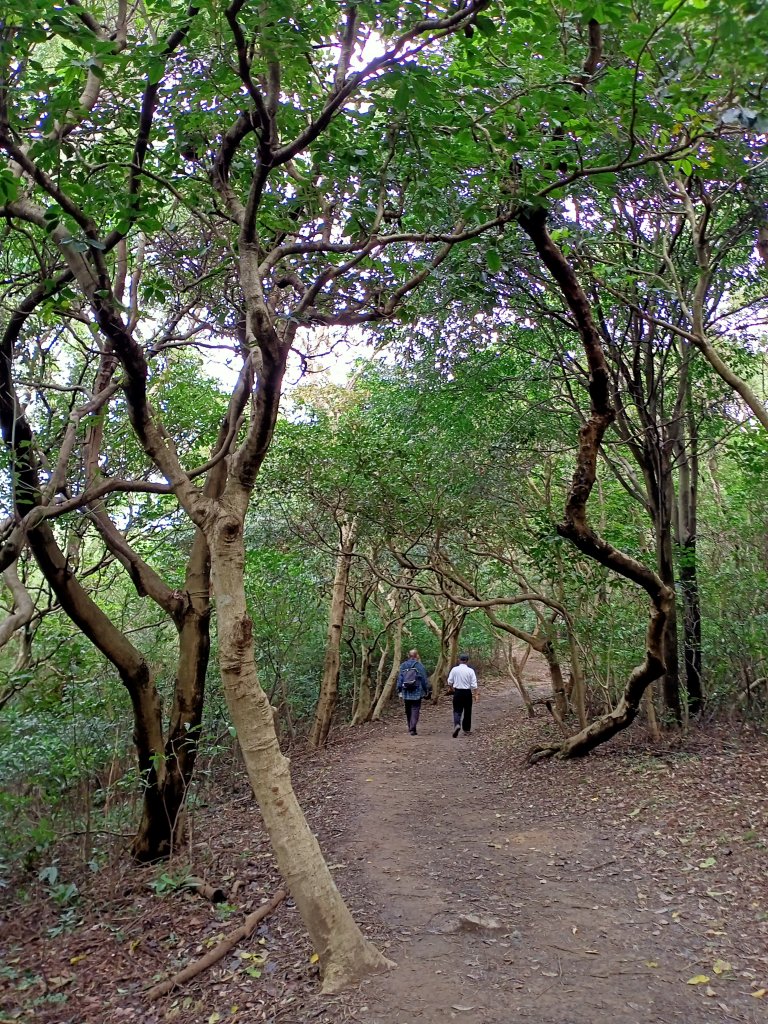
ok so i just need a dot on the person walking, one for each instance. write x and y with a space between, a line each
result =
462 682
413 685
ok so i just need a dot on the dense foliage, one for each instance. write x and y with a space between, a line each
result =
374 162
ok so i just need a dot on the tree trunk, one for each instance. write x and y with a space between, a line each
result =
163 818
364 690
575 525
452 621
556 675
688 485
380 666
135 673
345 954
689 585
329 684
577 686
665 561
516 667
389 686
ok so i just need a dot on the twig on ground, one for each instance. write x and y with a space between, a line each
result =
218 952
212 893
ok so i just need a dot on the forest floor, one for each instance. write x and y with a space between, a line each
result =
631 886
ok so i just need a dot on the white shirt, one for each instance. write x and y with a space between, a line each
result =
462 677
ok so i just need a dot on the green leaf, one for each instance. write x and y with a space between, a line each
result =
9 186
486 26
402 96
493 260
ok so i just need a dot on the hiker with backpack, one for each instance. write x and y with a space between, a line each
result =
412 685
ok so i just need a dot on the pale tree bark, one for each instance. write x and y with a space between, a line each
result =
364 703
21 614
650 714
23 608
380 667
368 642
393 604
391 681
516 663
345 955
451 622
329 682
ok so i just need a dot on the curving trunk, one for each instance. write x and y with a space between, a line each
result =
576 526
346 956
136 675
162 824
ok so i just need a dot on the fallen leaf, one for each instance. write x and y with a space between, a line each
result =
62 980
651 963
710 991
214 1018
708 863
720 966
759 993
463 1009
314 958
258 959
698 979
77 959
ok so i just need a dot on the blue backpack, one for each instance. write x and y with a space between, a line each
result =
411 681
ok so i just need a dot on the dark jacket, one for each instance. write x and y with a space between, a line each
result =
425 690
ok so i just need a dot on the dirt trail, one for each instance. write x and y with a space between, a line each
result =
497 915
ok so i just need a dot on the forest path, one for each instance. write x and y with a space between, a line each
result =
498 916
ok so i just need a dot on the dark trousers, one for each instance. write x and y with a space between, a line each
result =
462 708
412 711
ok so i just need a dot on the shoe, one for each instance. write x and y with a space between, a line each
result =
456 731
467 732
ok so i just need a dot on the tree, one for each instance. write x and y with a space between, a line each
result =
263 178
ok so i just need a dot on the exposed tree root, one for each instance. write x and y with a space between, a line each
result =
537 753
218 952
